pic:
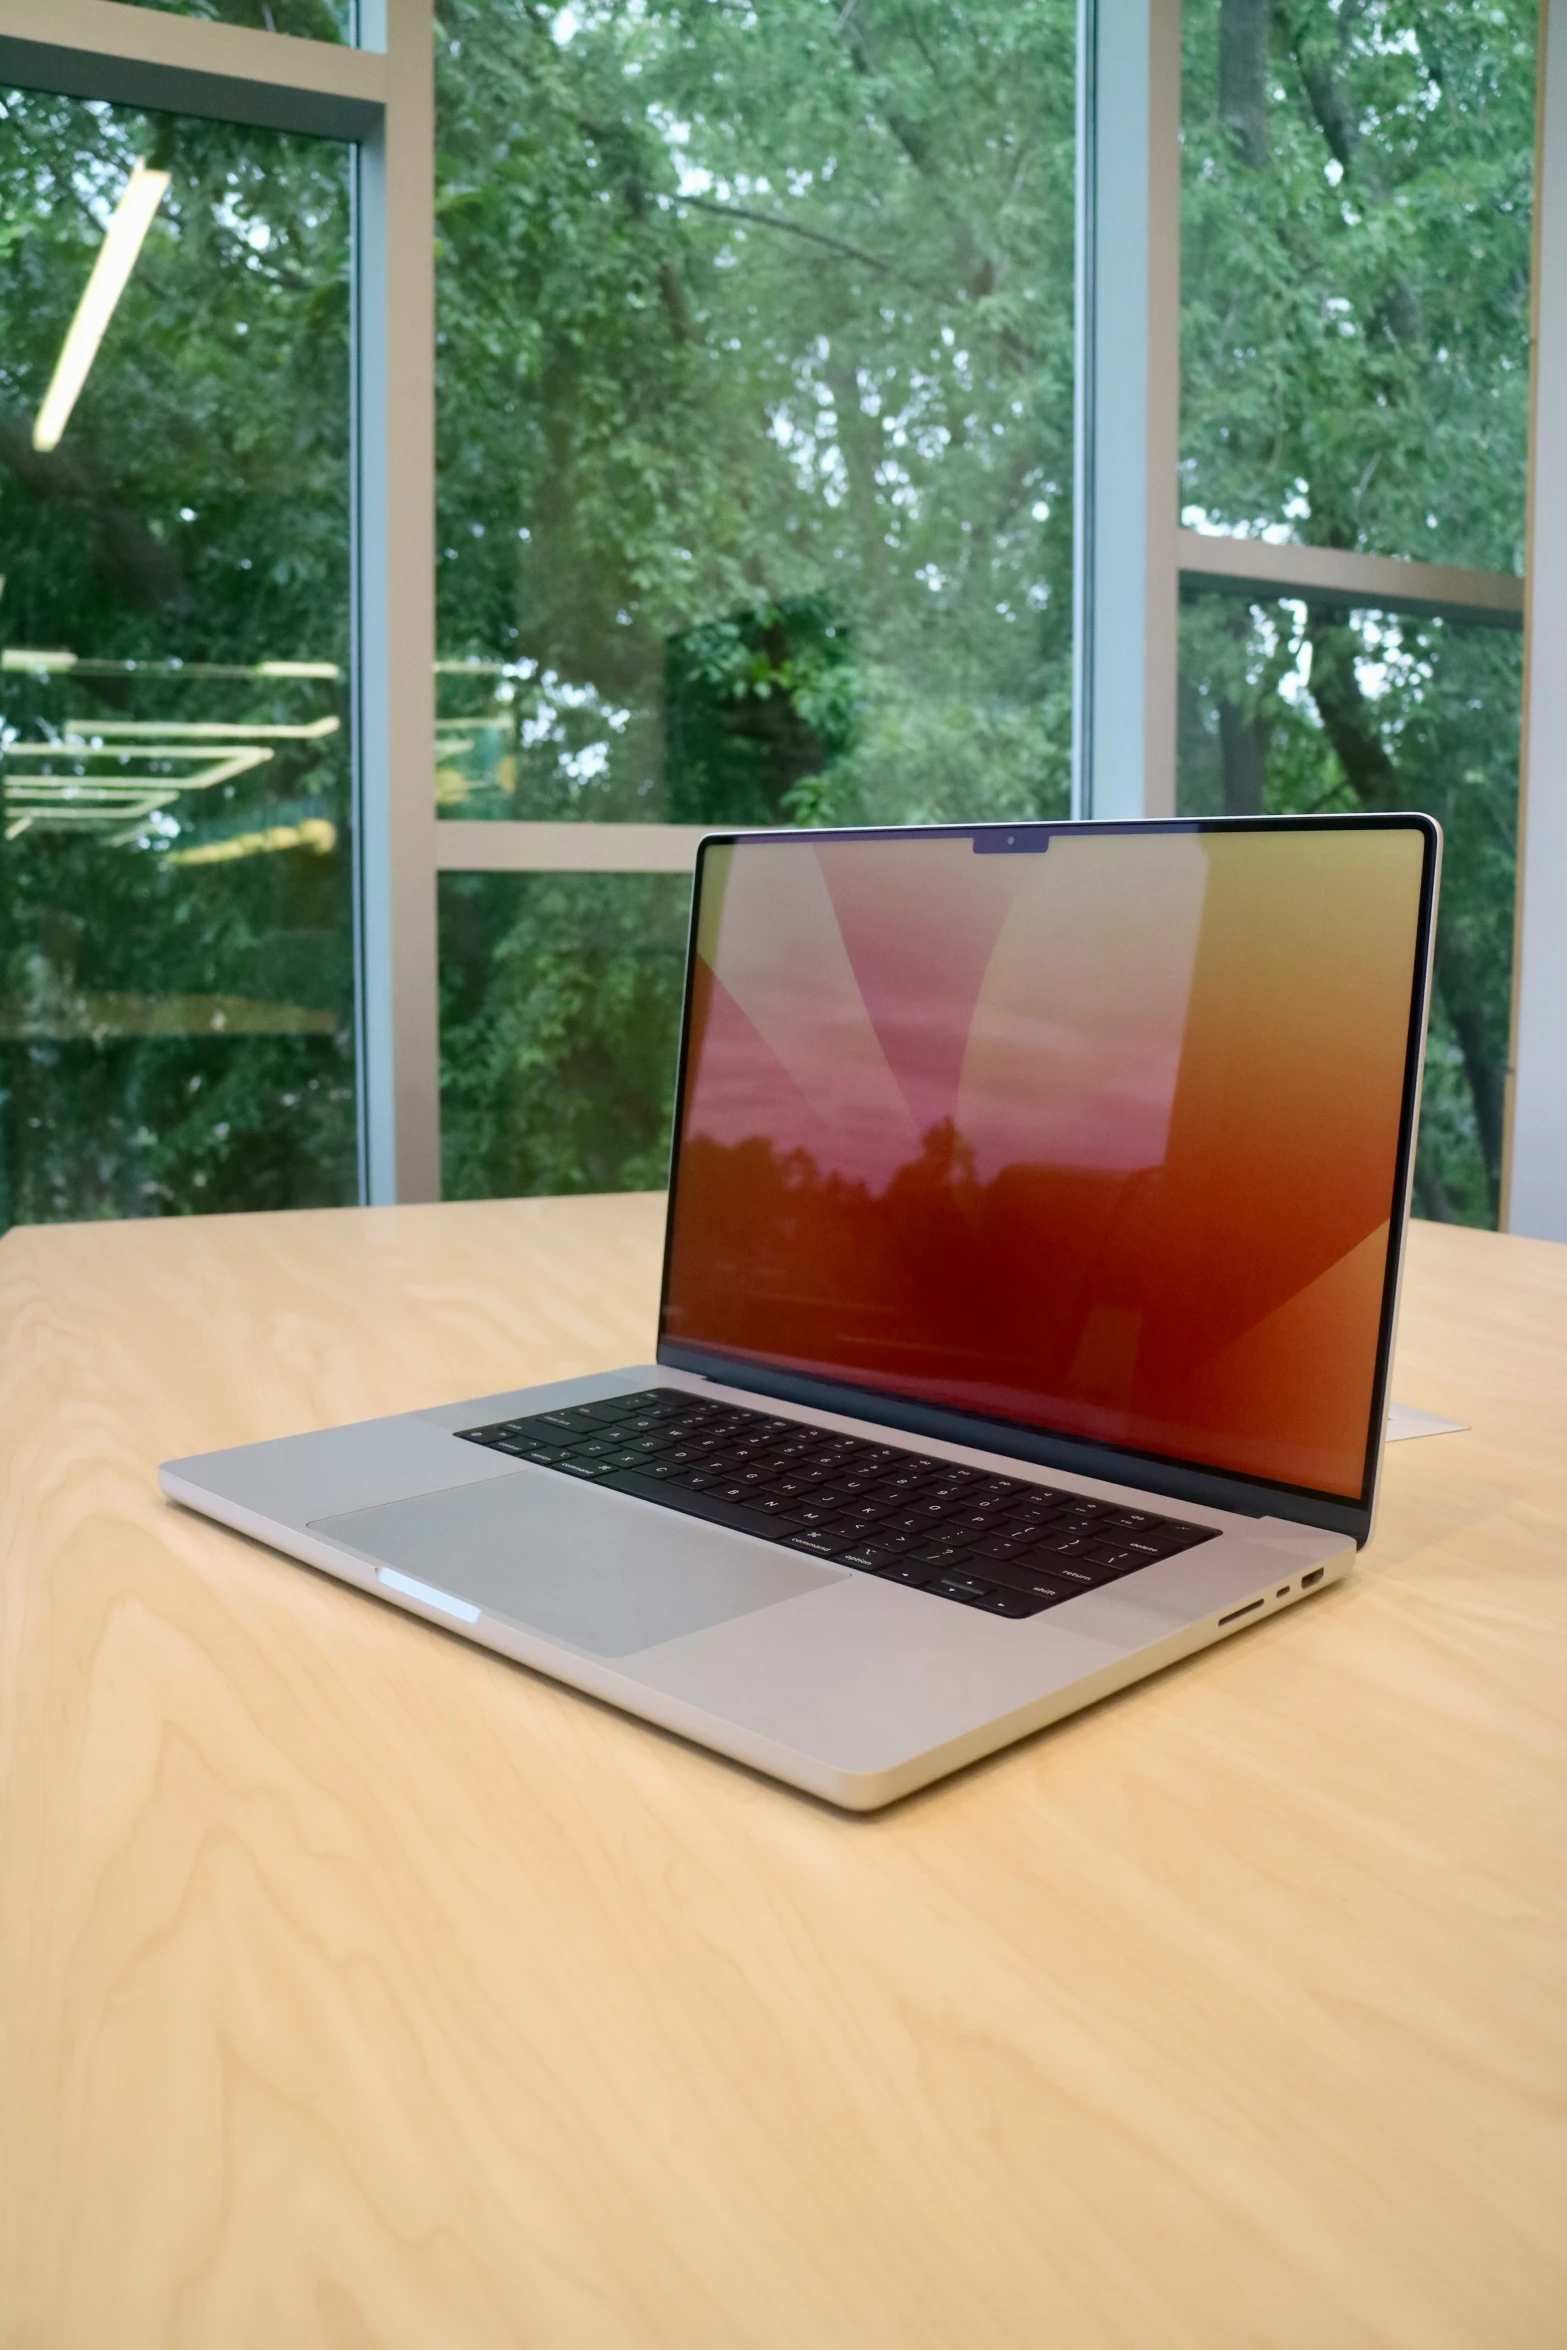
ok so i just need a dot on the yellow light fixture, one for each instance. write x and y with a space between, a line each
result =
38 662
122 242
316 832
78 730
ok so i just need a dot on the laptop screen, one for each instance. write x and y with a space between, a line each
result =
1100 1139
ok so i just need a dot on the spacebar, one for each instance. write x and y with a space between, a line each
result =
698 1505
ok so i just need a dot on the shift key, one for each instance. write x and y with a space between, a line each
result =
1017 1576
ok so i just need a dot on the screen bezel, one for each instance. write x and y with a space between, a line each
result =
1177 1479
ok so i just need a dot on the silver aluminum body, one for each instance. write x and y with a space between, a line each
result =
854 1689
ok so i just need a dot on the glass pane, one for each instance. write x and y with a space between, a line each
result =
1288 709
1355 255
176 964
755 409
755 418
560 1021
309 20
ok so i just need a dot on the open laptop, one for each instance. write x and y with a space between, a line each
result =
1035 1215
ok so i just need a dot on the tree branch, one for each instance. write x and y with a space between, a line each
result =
793 228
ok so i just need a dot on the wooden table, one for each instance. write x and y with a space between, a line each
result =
358 1988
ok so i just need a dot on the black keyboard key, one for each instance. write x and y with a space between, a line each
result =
1011 1603
1037 1582
936 1556
1174 1538
1007 1546
957 1586
915 1521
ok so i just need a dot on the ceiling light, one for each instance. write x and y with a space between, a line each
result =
129 223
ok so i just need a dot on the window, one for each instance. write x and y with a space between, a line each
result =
760 499
1356 224
176 928
755 337
1356 219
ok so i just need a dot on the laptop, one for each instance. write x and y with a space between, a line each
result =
1036 1206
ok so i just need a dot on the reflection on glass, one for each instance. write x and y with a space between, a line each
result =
176 968
129 222
1355 254
560 1023
755 409
1285 708
1102 1140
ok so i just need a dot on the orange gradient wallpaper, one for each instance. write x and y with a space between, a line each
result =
1100 1139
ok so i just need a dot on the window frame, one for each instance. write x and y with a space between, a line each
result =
1131 557
377 98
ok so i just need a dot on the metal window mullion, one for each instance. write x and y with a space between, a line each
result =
1125 590
394 598
1534 1181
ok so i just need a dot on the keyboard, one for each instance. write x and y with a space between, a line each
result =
1001 1544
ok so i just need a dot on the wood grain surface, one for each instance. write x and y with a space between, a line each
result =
358 1988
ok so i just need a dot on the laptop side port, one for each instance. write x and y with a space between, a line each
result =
1308 1582
1236 1614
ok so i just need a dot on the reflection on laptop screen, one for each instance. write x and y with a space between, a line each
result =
1101 1140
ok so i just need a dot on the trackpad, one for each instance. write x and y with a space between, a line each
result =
596 1570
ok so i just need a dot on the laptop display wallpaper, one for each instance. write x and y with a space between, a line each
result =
1100 1139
